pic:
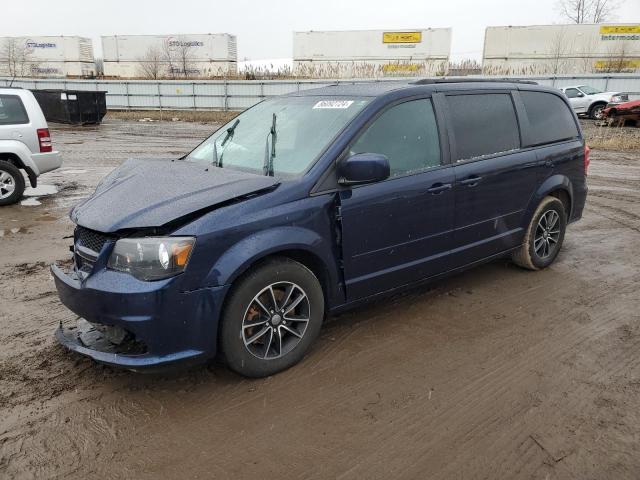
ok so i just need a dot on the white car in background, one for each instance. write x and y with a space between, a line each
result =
590 101
25 143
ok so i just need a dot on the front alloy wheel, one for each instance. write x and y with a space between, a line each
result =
276 320
273 315
597 112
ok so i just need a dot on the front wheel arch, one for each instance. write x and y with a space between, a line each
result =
301 245
594 106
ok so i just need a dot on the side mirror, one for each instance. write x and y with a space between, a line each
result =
363 168
580 94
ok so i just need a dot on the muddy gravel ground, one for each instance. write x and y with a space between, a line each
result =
496 373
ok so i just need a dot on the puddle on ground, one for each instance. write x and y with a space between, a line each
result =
40 191
33 194
30 202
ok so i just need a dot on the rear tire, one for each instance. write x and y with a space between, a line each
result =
273 316
544 236
11 183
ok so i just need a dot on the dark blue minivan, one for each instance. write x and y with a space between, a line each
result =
311 203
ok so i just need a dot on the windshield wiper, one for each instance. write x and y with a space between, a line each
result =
217 161
270 153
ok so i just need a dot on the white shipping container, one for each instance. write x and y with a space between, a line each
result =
59 56
552 49
203 47
208 54
371 53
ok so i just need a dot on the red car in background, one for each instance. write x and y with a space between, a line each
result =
622 112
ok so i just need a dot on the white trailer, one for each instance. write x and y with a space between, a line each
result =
371 53
47 57
561 49
169 56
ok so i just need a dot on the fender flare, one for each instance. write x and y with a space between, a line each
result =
551 184
239 258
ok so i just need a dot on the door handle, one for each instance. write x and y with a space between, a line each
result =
438 188
472 181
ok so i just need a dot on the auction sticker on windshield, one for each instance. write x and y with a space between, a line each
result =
333 104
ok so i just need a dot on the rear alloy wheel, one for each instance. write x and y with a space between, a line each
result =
544 237
273 315
11 183
596 112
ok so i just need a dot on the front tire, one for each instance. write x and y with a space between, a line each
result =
595 112
273 316
544 236
11 183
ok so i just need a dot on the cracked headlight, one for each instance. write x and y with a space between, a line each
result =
151 258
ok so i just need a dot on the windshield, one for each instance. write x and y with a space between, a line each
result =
589 90
304 127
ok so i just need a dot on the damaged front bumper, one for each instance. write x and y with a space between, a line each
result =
138 325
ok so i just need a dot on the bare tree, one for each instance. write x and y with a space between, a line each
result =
618 60
603 10
586 51
558 50
587 11
169 58
184 54
17 57
151 64
178 56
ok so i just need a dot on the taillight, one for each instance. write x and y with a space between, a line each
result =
587 150
45 140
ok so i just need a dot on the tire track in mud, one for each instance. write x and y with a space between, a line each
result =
475 397
490 387
494 373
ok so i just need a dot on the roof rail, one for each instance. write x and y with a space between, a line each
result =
431 81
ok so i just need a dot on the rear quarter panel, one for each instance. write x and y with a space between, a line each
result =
563 170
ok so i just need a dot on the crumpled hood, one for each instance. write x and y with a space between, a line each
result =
152 193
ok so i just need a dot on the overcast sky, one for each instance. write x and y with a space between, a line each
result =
264 28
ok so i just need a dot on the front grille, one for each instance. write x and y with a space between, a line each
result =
91 239
88 245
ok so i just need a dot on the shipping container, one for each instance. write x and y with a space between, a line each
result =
47 57
169 56
372 53
561 49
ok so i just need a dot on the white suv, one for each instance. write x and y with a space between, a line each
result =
591 101
25 143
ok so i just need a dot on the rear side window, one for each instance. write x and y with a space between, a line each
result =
550 119
406 134
483 124
12 110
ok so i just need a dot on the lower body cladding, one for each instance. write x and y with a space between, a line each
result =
138 325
